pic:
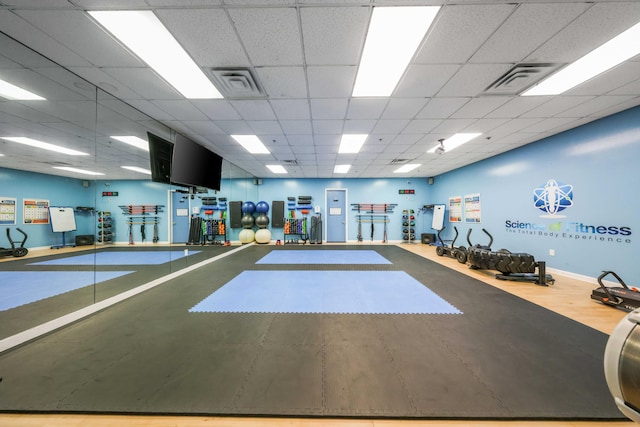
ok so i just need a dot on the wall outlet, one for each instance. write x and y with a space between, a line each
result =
552 252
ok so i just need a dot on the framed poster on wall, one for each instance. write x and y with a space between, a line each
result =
35 211
8 210
455 209
472 211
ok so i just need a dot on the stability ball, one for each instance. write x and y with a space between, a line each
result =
248 207
247 220
263 235
246 236
262 221
262 207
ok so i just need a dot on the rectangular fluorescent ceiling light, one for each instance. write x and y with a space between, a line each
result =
617 50
394 35
133 140
341 168
455 141
277 168
251 143
351 143
76 170
10 91
43 145
137 169
143 33
407 168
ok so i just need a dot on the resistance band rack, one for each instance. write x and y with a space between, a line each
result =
372 213
142 215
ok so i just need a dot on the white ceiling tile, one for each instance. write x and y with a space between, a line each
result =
144 82
216 109
472 79
290 127
609 81
459 31
328 126
422 126
547 124
203 127
254 109
579 38
207 35
523 32
333 35
424 80
359 126
452 126
291 109
517 106
390 126
479 107
283 82
234 127
322 109
270 36
366 108
400 108
592 106
330 82
181 110
555 106
262 127
441 108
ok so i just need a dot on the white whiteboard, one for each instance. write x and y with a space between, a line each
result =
438 217
62 219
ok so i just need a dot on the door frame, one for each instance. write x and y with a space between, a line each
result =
326 211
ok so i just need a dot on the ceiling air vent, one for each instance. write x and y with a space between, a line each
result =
237 83
519 78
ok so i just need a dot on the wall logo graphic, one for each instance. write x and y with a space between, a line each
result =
553 198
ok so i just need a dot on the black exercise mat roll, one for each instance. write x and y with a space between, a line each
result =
502 358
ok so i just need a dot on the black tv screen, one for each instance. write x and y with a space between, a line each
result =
194 165
160 155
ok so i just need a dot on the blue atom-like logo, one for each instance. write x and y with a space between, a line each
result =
553 198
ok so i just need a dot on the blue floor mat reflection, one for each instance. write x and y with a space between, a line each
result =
357 292
119 258
323 257
23 287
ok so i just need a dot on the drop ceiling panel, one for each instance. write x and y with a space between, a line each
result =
609 81
283 82
144 82
479 107
366 108
293 109
333 35
330 82
254 109
390 126
16 27
609 18
207 34
292 127
329 108
181 110
425 80
262 127
555 106
441 108
517 106
522 33
327 126
359 126
472 79
96 45
459 32
400 108
216 109
592 106
270 36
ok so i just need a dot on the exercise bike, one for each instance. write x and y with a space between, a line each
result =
459 253
14 251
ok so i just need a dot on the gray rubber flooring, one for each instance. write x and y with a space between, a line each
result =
504 358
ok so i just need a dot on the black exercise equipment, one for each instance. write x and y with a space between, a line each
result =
519 267
623 297
459 253
14 251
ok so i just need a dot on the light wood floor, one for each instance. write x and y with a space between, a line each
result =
568 296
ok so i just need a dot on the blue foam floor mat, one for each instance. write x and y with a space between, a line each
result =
23 287
323 257
119 258
347 292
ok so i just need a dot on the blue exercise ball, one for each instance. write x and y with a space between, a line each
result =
262 207
248 207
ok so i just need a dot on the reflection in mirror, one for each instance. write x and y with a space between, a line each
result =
95 222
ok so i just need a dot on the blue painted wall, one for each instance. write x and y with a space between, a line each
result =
599 231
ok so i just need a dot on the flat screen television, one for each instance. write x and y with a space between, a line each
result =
194 165
160 155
